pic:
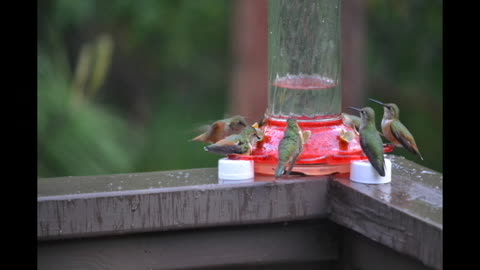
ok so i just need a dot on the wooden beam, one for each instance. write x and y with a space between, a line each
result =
405 215
360 252
63 215
314 242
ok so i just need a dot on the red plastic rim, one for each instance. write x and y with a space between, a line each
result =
324 148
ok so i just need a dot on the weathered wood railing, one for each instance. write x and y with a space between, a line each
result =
152 221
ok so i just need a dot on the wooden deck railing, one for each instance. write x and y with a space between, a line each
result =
153 220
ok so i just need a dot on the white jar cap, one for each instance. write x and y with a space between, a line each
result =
361 171
235 170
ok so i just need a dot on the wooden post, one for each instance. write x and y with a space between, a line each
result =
353 50
248 93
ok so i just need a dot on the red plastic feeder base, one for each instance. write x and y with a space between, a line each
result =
324 153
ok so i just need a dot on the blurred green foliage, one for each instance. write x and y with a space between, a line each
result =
123 84
170 59
74 134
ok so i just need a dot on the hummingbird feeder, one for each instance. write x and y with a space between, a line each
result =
304 59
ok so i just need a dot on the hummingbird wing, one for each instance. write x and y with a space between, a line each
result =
357 121
223 149
352 120
304 136
292 163
286 153
373 148
404 136
214 133
227 146
282 158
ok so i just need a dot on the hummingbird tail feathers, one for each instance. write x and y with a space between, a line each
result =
279 171
379 166
200 138
380 170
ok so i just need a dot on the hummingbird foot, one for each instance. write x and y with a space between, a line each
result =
297 173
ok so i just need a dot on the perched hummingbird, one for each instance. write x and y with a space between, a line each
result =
394 130
291 146
352 121
370 139
222 128
237 143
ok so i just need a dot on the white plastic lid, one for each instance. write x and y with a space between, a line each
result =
235 170
361 171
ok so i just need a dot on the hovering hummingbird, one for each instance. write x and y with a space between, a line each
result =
237 143
370 139
222 128
352 121
394 130
290 147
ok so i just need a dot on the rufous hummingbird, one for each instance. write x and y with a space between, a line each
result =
290 147
394 130
241 143
370 139
222 128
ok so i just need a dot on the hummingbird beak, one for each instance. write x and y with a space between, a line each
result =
356 109
376 101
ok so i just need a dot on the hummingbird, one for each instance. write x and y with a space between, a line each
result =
352 121
394 130
262 121
290 147
370 139
222 128
241 143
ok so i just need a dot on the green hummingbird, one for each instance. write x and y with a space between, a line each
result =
352 121
241 143
222 128
290 147
370 139
394 130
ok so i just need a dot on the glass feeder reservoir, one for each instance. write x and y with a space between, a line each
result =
305 83
304 59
